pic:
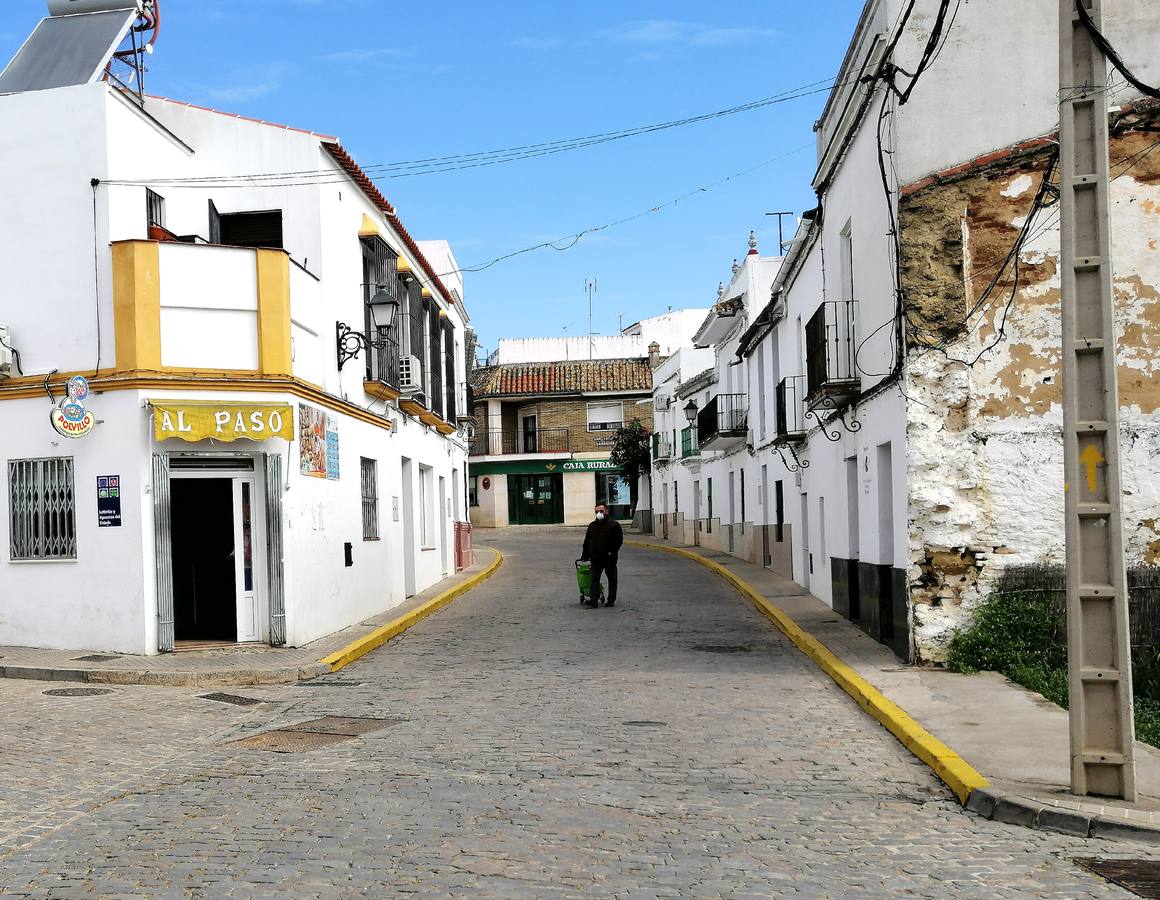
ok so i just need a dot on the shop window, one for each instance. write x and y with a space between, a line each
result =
41 509
605 416
473 491
370 499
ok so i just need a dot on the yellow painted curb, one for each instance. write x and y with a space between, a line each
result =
384 633
954 771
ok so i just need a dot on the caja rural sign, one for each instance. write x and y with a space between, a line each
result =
70 417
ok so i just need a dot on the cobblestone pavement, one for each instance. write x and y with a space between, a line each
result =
536 749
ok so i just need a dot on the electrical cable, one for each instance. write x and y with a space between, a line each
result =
438 165
1110 52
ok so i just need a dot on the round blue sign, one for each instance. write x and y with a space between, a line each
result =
77 388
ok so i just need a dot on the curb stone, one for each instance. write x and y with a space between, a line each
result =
974 792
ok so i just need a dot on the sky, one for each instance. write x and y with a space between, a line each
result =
405 81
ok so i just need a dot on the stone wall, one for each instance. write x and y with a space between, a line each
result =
985 457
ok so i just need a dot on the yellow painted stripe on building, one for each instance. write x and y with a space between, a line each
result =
951 768
382 634
137 304
193 380
274 354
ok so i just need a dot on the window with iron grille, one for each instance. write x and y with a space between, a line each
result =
41 511
370 499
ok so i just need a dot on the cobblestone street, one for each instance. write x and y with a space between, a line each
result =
676 745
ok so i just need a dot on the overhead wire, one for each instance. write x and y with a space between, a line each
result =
459 162
1111 53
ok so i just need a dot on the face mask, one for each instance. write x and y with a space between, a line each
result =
600 517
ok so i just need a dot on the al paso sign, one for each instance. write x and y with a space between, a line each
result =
195 421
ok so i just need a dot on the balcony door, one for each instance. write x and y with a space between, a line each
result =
528 441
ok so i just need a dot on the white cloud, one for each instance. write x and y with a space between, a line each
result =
673 31
366 55
251 84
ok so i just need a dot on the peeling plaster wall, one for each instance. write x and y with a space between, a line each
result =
985 456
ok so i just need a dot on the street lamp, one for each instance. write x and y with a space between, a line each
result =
384 308
691 411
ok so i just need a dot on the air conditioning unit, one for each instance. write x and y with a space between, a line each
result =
5 353
410 374
663 403
664 450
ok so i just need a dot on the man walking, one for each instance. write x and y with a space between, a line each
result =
601 546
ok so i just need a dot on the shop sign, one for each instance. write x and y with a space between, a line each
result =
70 418
108 501
197 420
590 465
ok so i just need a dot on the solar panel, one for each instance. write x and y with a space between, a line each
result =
67 50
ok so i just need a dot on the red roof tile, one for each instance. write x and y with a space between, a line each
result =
573 377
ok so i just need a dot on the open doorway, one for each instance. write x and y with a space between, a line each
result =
204 573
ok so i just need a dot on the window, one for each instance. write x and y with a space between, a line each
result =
380 271
426 506
370 499
154 209
473 491
743 501
710 497
605 416
247 229
41 508
779 506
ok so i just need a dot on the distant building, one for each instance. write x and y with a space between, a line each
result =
543 437
668 331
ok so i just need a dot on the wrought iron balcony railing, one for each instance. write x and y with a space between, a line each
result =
723 421
791 424
384 361
509 443
831 367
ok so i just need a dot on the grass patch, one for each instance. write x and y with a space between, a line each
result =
1023 636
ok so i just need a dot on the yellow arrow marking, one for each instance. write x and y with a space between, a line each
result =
1090 459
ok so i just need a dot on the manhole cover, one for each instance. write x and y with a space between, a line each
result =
350 726
95 657
289 741
231 698
77 692
643 723
1140 876
723 648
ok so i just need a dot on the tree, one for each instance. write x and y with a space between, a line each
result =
632 455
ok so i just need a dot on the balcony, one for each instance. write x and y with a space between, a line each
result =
689 448
723 423
791 425
511 443
661 451
831 370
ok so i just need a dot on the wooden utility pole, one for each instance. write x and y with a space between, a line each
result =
1098 649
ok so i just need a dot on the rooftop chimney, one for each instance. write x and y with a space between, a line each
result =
654 355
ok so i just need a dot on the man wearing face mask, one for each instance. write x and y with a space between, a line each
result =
601 546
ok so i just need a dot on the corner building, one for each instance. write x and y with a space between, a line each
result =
248 478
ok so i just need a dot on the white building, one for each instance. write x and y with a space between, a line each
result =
245 480
701 489
669 331
904 399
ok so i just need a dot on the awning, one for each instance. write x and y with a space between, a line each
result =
196 420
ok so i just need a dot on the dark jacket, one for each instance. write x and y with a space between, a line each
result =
603 539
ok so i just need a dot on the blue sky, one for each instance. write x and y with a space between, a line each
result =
399 81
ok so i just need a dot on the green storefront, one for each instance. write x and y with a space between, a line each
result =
536 487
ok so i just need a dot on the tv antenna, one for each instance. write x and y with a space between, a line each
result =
590 288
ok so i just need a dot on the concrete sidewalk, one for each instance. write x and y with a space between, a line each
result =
1017 739
244 664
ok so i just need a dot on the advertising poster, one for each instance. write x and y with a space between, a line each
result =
317 443
108 501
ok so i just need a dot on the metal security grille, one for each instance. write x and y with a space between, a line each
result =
370 499
42 518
